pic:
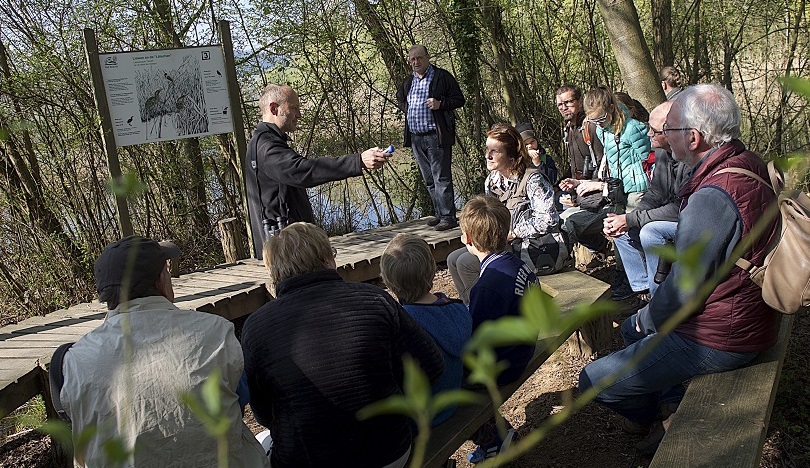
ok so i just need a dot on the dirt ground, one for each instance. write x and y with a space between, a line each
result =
592 437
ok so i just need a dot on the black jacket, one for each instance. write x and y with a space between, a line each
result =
284 177
443 87
661 202
317 354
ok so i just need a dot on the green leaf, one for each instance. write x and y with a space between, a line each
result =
395 404
59 430
84 438
448 398
541 312
415 385
483 365
211 394
667 252
4 134
129 185
692 272
115 451
799 85
504 331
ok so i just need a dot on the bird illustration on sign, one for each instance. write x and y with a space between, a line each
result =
172 97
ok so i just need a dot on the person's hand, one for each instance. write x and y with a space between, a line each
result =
534 154
374 158
433 104
567 201
568 184
510 236
615 225
588 186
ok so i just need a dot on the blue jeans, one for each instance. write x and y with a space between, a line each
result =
434 164
658 377
640 262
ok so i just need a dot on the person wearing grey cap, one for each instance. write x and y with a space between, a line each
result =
124 379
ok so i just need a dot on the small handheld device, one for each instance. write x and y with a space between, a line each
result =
389 150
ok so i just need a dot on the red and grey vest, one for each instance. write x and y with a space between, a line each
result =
734 317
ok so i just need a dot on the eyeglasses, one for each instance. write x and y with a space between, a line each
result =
654 131
567 103
665 129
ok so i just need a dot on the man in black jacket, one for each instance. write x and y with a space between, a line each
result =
655 220
277 177
428 97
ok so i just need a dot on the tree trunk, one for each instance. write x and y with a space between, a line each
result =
662 32
510 73
391 54
638 72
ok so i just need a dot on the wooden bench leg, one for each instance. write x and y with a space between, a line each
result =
592 337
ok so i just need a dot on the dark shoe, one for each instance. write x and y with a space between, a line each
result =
432 221
620 286
621 293
650 444
634 428
446 224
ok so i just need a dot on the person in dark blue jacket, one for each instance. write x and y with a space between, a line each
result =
485 224
407 267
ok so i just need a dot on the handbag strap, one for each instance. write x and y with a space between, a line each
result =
741 262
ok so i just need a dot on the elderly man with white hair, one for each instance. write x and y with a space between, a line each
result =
719 207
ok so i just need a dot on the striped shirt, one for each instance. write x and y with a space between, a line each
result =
420 117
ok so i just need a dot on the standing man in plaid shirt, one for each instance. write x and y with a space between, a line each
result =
428 97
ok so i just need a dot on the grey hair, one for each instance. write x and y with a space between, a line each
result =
711 110
273 93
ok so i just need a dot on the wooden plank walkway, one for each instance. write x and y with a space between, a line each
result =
231 290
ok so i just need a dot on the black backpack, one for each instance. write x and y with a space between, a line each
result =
56 379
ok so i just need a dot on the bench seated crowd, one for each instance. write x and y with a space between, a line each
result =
324 348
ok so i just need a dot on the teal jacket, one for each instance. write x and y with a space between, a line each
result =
634 147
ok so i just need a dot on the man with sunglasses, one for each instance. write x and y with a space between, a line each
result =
719 208
654 221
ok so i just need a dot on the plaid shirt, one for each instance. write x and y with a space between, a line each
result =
420 117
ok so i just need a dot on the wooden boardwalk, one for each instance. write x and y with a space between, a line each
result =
231 290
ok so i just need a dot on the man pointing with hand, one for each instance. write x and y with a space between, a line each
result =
277 177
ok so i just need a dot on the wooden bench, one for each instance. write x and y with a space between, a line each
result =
232 291
723 418
569 288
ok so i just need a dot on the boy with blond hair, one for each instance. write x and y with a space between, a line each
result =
485 224
408 268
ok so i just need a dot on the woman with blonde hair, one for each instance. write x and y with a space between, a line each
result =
621 176
535 234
